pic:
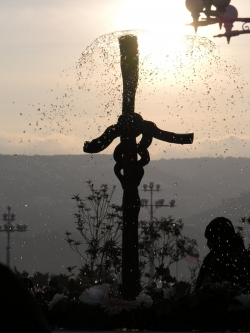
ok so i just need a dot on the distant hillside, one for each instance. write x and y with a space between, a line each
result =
39 188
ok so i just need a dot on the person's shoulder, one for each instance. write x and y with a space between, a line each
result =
210 258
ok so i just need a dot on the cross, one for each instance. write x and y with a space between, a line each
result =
128 169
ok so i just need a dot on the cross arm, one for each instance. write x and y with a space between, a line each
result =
103 141
150 128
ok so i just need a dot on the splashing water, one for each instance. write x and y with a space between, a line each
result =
185 85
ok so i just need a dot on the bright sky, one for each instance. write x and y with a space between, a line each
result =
44 112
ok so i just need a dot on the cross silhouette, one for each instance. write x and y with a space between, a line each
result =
128 169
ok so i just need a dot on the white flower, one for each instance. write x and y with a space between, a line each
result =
95 295
56 299
244 300
144 300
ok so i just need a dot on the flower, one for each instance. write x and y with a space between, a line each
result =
114 306
95 295
144 300
57 298
244 300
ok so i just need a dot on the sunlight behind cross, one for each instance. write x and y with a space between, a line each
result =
155 16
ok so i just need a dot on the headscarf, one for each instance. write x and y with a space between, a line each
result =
221 232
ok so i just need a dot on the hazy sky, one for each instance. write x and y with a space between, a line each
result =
205 90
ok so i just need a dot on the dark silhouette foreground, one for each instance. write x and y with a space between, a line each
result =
228 260
19 311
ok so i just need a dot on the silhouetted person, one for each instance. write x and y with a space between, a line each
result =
19 311
228 260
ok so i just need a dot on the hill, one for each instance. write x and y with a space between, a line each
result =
39 188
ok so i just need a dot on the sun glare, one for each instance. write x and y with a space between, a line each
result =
155 16
158 48
163 21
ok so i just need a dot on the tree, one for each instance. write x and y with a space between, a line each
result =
60 279
244 229
100 224
19 274
40 279
169 246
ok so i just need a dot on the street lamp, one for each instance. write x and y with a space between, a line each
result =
223 14
9 227
152 208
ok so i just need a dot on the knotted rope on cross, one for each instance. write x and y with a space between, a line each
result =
147 129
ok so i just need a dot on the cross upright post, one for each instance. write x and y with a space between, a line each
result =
128 168
131 200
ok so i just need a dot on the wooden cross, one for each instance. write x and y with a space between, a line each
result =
128 168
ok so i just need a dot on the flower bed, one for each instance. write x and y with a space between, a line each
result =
214 308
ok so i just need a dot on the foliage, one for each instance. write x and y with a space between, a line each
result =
220 292
40 279
99 223
244 230
61 280
194 271
19 274
164 237
75 285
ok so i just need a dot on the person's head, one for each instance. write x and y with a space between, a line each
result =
220 231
